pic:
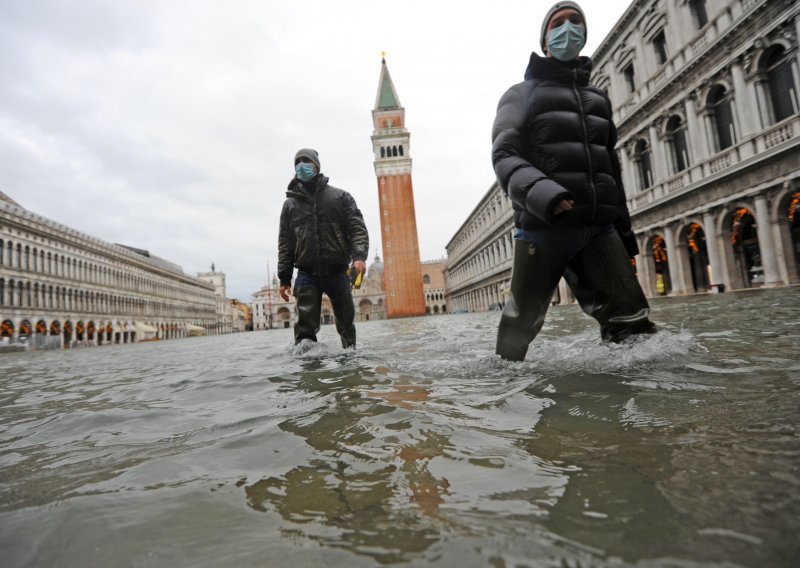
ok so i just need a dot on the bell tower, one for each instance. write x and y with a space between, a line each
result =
390 143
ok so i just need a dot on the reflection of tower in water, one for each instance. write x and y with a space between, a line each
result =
390 142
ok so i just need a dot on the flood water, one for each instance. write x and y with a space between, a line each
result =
421 448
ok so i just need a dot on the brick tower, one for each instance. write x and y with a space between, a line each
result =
390 142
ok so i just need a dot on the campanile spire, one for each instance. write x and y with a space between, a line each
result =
392 158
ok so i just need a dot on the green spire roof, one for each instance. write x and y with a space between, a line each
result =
387 96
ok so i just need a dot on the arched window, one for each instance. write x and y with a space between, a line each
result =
780 82
394 151
676 139
719 108
699 12
383 152
426 279
401 150
644 165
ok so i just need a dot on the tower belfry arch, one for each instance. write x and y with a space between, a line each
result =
392 159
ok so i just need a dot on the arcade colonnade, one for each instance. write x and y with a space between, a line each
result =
751 239
63 288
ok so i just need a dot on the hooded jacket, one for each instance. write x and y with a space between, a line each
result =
553 139
321 230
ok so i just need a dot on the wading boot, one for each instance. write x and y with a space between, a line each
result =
344 312
604 283
309 306
534 276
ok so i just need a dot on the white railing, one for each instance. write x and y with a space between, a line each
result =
767 141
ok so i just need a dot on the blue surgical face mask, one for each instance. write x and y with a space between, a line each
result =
305 171
566 41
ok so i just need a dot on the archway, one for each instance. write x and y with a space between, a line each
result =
793 216
7 330
698 257
80 329
284 316
661 265
364 309
90 331
25 329
746 252
55 328
66 331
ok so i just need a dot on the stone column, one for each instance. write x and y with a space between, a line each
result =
697 139
746 108
658 161
712 246
628 180
766 244
675 264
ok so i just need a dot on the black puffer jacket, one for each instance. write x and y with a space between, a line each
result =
553 139
321 230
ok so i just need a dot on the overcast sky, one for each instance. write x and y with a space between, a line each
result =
171 125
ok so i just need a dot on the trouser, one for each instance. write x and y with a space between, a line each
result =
596 266
308 290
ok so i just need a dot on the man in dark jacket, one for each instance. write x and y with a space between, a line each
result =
553 153
321 231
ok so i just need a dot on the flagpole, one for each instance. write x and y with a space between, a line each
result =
269 299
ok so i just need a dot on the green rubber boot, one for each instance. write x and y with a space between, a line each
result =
309 306
534 277
604 283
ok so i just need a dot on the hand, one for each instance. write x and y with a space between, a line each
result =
562 206
359 266
285 292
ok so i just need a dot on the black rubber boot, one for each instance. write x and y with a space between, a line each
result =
309 306
534 277
345 313
604 283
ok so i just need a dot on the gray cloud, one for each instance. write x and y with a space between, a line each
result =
171 125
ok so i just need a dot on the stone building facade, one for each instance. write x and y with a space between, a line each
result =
61 288
478 268
433 286
705 99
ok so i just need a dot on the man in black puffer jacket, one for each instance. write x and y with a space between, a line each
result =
553 153
321 231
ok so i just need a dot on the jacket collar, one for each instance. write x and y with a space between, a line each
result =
297 189
550 69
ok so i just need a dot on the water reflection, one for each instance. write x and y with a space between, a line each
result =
365 470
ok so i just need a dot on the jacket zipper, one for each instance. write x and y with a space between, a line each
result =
316 228
585 142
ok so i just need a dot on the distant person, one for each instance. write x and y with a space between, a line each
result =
553 153
321 232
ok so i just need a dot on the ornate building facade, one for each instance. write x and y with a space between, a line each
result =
433 286
392 158
705 99
60 288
